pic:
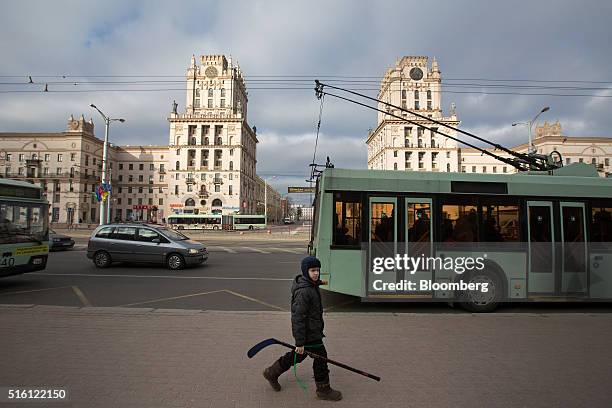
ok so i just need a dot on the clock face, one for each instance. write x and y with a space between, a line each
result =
211 72
416 73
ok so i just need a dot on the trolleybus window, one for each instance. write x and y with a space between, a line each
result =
347 220
419 219
540 237
573 239
601 227
383 226
459 223
500 223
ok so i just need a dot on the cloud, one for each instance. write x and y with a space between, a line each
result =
474 41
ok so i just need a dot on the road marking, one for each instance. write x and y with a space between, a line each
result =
170 298
33 290
255 300
81 296
261 251
291 251
226 249
158 277
206 293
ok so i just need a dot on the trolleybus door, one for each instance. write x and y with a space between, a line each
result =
573 248
541 249
419 236
382 235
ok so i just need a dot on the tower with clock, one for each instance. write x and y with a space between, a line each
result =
412 85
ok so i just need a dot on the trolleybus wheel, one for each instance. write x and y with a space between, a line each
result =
102 259
478 301
250 227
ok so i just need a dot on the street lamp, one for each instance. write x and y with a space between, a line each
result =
530 124
107 122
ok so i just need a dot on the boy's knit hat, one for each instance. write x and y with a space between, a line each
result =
309 262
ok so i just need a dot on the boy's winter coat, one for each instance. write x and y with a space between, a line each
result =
306 311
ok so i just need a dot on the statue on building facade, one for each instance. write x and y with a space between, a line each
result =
174 107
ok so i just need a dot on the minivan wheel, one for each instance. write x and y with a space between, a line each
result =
175 262
102 259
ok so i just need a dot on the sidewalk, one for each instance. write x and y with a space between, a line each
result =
120 357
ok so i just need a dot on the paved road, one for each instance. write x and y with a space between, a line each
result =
247 275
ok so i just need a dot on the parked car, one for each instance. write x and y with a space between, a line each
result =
143 243
59 241
287 221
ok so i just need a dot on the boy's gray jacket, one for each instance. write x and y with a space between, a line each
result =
306 311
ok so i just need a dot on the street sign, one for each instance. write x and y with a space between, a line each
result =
300 189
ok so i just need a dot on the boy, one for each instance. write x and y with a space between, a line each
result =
307 326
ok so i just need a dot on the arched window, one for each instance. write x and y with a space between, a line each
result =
178 140
210 93
231 165
193 140
178 165
394 166
428 94
190 202
217 203
231 140
206 141
416 94
223 92
219 141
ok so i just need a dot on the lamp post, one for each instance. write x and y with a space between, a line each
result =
107 121
529 124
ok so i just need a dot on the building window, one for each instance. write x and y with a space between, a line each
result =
210 93
484 169
176 190
129 201
130 166
151 167
581 160
46 171
178 165
607 162
139 190
178 152
59 171
217 188
416 105
47 157
121 177
119 201
21 171
94 161
72 156
473 169
421 156
395 153
129 190
141 167
161 201
428 94
463 169
231 189
434 158
448 168
448 155
210 105
120 166
223 103
130 178
59 157
593 161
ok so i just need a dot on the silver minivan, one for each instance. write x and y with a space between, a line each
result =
144 243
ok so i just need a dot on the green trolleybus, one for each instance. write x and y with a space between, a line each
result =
249 222
529 236
24 228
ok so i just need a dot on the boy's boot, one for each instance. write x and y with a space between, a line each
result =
272 373
325 392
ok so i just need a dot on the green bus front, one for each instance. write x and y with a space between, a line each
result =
553 231
24 228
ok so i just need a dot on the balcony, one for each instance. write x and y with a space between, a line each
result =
33 162
162 171
218 180
190 180
203 194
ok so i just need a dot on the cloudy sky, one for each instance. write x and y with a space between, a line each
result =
563 47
